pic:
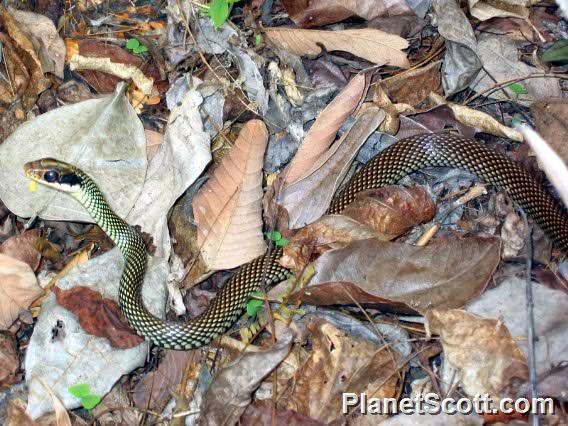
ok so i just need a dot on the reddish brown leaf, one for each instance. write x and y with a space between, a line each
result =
316 13
22 247
413 86
97 316
446 273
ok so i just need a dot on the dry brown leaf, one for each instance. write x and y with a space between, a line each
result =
383 214
231 389
316 13
482 349
339 364
445 274
24 67
157 387
262 412
153 142
478 119
308 198
323 131
413 86
376 46
23 247
228 209
18 289
487 9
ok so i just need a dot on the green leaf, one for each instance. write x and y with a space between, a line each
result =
219 12
79 390
140 49
517 89
253 306
274 235
90 401
258 39
558 52
281 242
132 44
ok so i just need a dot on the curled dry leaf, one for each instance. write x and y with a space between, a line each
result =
484 10
322 133
446 273
18 289
338 364
231 389
383 214
23 65
9 361
373 45
23 247
481 349
316 13
98 316
309 197
478 120
228 207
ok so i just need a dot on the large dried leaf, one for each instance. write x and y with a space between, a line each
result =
231 389
228 209
18 289
482 349
340 364
308 198
373 45
104 137
551 121
316 13
446 273
24 247
323 131
383 213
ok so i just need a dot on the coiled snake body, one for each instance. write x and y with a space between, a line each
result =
387 167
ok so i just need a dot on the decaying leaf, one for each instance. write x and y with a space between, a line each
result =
322 133
445 274
262 412
23 65
316 13
414 85
339 364
98 316
308 198
551 121
383 213
482 349
484 10
373 45
18 289
227 208
231 389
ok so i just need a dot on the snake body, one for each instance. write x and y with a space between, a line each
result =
387 167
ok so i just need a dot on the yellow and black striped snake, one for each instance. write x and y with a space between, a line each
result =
387 167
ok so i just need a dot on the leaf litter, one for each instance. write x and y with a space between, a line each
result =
163 103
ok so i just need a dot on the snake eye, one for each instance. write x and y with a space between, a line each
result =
51 176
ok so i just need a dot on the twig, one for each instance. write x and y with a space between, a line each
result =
534 419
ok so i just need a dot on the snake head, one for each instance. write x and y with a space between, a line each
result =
55 174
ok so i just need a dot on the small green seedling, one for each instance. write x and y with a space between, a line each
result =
254 304
517 89
135 46
218 11
81 391
276 236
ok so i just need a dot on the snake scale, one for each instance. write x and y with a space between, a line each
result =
387 167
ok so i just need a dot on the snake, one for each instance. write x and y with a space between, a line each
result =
387 167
